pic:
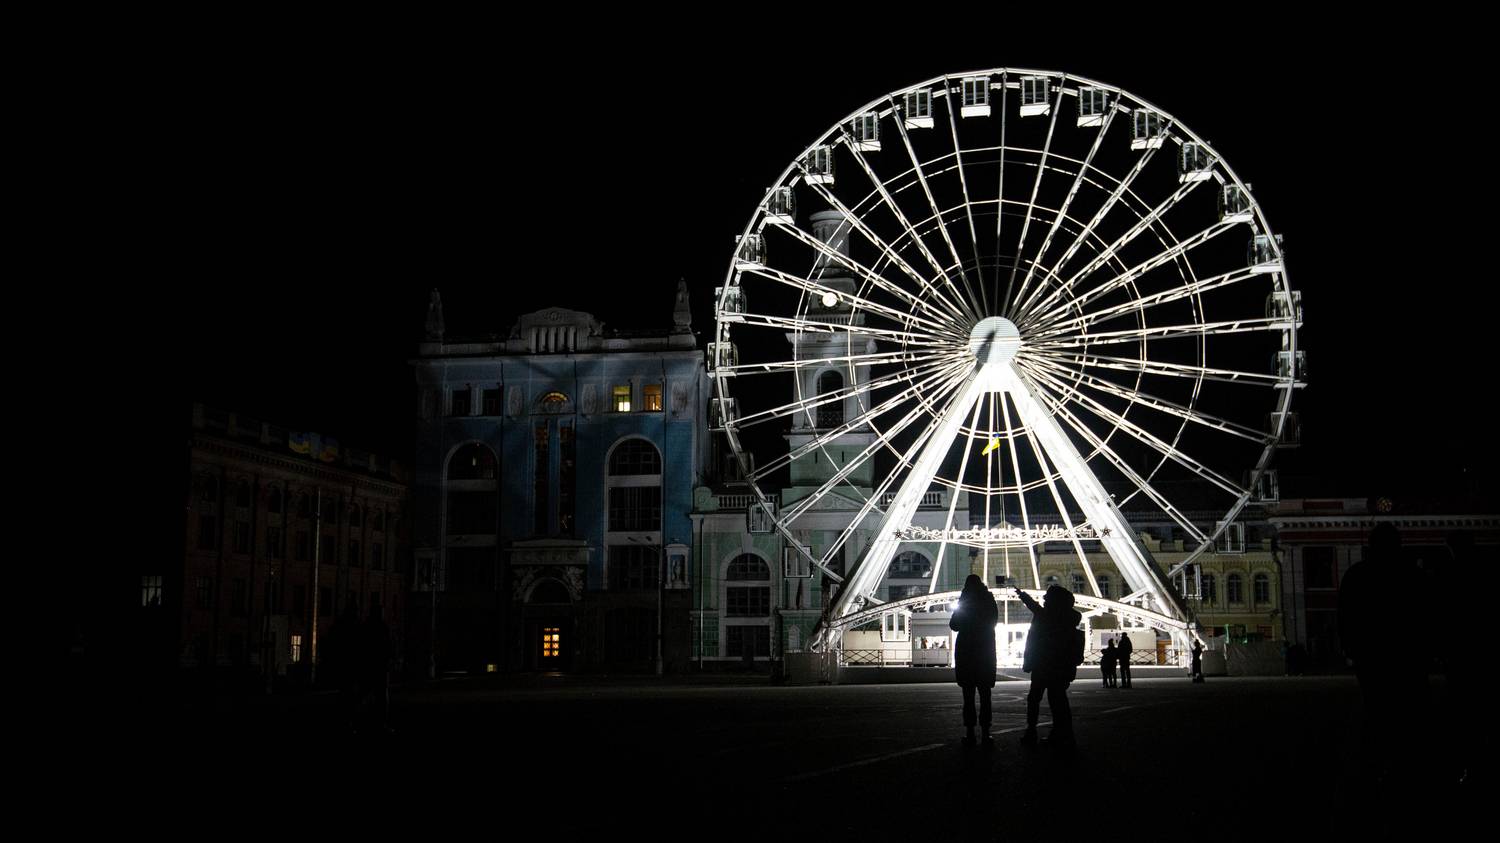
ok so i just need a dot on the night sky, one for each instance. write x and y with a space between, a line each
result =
313 190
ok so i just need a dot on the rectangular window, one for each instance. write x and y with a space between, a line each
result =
621 398
377 557
325 601
242 537
567 471
351 601
757 639
460 406
651 398
273 542
205 592
541 498
304 546
238 595
551 642
299 601
273 598
208 538
635 508
151 590
330 554
747 601
491 402
296 649
355 557
1317 567
633 566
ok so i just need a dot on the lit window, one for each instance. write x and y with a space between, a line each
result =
651 398
296 649
551 642
622 399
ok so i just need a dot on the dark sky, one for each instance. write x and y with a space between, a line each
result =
305 193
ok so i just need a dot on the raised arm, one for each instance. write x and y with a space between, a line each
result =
1029 601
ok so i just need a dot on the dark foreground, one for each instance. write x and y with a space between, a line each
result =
732 758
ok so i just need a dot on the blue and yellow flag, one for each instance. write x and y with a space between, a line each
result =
328 450
302 443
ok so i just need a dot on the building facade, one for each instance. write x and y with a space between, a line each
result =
553 479
283 533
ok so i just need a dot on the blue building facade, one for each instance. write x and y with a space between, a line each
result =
552 488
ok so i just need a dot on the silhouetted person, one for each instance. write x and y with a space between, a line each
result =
1388 661
1125 648
1197 669
1054 649
374 666
1107 663
974 654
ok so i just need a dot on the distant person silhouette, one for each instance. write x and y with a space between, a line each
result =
1125 648
1107 663
1054 649
1389 661
374 668
974 653
1197 669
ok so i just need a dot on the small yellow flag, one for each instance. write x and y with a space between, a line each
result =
994 443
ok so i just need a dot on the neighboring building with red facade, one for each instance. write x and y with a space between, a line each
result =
262 503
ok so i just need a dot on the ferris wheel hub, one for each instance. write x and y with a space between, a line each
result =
994 340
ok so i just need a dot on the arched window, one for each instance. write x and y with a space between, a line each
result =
355 519
242 494
273 500
472 462
1104 584
304 506
330 510
830 414
634 456
1049 581
553 402
208 489
1077 583
1210 593
379 519
1261 589
634 485
1234 589
748 567
910 565
549 591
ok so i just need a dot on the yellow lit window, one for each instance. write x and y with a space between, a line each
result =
622 399
651 397
551 642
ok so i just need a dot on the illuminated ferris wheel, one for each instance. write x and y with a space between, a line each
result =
1032 290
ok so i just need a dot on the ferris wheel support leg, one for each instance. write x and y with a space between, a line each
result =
1130 556
872 565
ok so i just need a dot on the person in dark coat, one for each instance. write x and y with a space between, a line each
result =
974 654
1053 652
1197 669
1124 649
1107 663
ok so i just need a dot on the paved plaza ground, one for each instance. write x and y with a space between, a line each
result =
735 757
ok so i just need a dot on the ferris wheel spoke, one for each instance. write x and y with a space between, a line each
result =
1124 468
1063 373
870 275
811 326
884 441
1088 230
1175 251
953 497
1060 395
1000 193
901 218
872 359
956 310
1162 332
939 382
1174 370
1140 227
1062 326
1062 508
1036 186
963 182
819 290
787 410
1062 212
1011 432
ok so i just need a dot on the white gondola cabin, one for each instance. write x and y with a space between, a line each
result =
819 165
1234 204
976 97
1036 96
731 303
1285 306
749 251
760 518
917 109
1264 256
1093 104
1291 430
1264 489
1145 129
1194 163
865 132
721 408
722 354
781 206
1292 366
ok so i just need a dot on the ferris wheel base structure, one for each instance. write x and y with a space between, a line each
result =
993 342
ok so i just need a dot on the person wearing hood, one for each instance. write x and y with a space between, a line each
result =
974 654
1054 649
